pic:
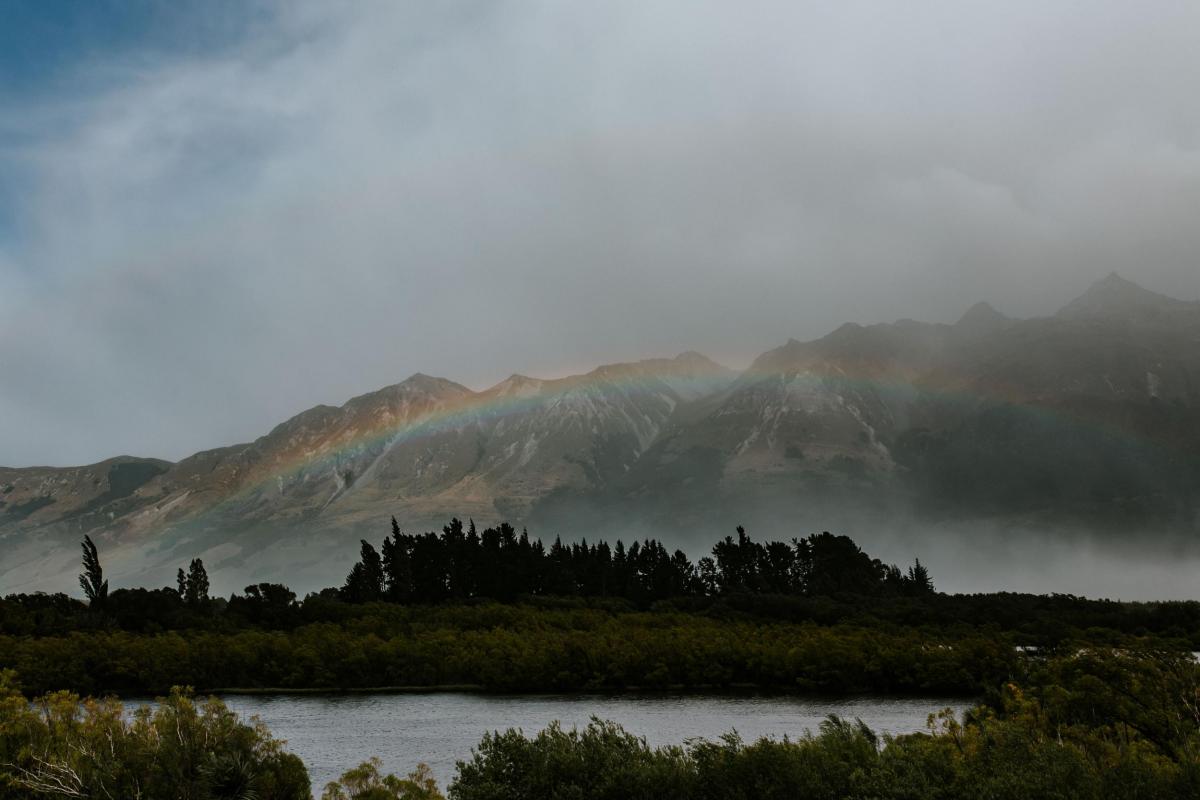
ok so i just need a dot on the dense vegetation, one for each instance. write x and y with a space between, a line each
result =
517 648
1094 726
1098 723
498 611
1109 705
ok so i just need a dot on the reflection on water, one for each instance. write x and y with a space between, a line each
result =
334 732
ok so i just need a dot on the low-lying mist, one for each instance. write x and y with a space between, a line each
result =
963 556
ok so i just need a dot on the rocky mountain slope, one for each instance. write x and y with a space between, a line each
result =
1091 415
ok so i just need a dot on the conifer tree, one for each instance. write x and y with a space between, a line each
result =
918 578
196 590
462 562
364 584
95 588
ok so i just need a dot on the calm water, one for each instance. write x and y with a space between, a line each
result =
334 732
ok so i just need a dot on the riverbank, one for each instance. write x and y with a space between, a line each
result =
774 644
1095 723
329 731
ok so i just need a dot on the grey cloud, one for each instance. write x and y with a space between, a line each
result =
369 190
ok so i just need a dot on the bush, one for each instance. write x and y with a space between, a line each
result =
365 782
60 746
602 761
1095 725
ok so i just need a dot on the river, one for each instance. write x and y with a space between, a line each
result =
334 732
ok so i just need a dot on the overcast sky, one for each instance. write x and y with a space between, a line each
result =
214 216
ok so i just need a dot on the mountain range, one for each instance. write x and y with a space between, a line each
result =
1089 417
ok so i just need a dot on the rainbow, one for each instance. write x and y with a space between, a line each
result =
519 395
507 399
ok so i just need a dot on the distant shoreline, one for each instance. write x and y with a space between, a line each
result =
711 690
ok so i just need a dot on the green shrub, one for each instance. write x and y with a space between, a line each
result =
365 782
60 746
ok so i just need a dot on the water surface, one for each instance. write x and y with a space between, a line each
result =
334 732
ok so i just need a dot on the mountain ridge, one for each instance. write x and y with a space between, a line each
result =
987 415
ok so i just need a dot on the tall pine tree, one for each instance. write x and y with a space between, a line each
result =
364 584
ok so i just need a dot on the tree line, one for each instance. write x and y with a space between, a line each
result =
462 563
822 579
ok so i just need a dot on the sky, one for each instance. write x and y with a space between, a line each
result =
214 215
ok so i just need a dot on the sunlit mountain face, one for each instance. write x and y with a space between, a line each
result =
1088 418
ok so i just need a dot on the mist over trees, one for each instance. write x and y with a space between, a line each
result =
499 610
462 563
824 578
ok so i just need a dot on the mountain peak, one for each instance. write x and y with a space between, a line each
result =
429 383
692 357
1113 285
416 385
687 362
980 311
782 357
1115 297
981 318
698 362
1114 278
516 385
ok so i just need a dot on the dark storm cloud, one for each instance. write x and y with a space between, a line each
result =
210 243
